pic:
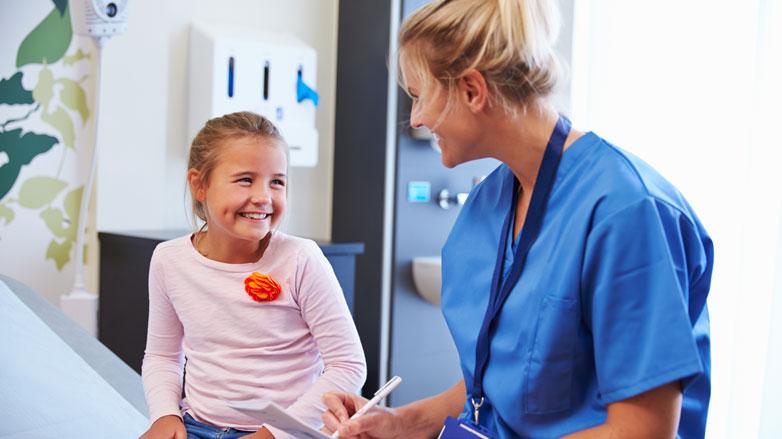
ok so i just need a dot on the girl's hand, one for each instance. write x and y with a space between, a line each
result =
377 423
263 433
166 427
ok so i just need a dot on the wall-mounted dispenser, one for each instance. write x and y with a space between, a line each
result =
245 69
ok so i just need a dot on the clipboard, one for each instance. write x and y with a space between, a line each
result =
267 412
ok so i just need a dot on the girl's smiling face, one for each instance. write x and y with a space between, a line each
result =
245 195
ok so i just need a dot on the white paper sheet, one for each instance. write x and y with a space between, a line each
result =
266 412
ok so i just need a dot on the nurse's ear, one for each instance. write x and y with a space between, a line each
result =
473 90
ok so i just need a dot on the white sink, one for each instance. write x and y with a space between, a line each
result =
427 277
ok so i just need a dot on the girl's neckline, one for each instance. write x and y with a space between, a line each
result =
228 266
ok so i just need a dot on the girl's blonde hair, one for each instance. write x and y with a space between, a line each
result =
511 42
206 146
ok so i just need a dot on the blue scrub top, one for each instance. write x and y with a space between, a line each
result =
611 303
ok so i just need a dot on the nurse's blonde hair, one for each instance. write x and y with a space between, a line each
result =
207 146
510 42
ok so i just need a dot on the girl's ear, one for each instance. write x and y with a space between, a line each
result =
196 184
474 90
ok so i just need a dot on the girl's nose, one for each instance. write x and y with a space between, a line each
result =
260 196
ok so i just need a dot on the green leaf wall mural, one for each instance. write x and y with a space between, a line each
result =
74 97
57 98
60 120
61 6
12 92
20 149
6 214
38 192
47 43
44 89
70 60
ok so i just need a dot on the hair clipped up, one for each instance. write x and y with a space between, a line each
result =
511 42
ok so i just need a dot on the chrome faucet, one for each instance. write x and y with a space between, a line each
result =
445 199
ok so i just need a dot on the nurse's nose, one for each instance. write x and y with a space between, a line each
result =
415 117
415 120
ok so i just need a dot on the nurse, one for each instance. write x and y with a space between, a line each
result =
575 278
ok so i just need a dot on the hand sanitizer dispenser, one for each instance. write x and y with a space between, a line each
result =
233 68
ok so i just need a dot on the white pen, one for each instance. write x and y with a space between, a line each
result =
379 395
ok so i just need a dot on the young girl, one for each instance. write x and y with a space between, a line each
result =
242 310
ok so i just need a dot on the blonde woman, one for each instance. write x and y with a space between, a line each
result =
575 278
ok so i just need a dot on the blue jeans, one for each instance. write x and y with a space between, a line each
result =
199 430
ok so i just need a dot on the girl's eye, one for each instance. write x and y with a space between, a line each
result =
244 180
278 182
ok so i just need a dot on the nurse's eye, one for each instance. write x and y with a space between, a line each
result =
245 181
278 182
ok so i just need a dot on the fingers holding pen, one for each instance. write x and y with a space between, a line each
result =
339 408
377 422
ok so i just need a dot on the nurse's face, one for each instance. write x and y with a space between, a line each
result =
452 124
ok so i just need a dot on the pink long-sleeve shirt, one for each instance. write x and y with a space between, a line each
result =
290 350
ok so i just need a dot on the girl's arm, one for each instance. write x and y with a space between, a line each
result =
325 311
161 370
652 414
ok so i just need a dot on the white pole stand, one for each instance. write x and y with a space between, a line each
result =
82 307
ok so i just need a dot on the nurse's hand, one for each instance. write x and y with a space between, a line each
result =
378 422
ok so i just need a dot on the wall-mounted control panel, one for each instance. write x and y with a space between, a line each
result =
419 191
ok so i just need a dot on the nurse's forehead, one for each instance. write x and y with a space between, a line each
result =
412 86
409 82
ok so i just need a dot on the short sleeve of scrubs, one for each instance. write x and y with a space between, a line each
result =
635 297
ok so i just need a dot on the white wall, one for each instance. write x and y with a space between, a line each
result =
770 421
144 116
770 97
562 95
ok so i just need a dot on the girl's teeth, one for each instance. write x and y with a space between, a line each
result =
255 216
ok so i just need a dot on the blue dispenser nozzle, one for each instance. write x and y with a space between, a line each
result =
304 91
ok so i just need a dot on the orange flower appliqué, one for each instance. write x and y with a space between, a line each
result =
262 287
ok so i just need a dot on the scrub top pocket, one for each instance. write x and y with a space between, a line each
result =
550 368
